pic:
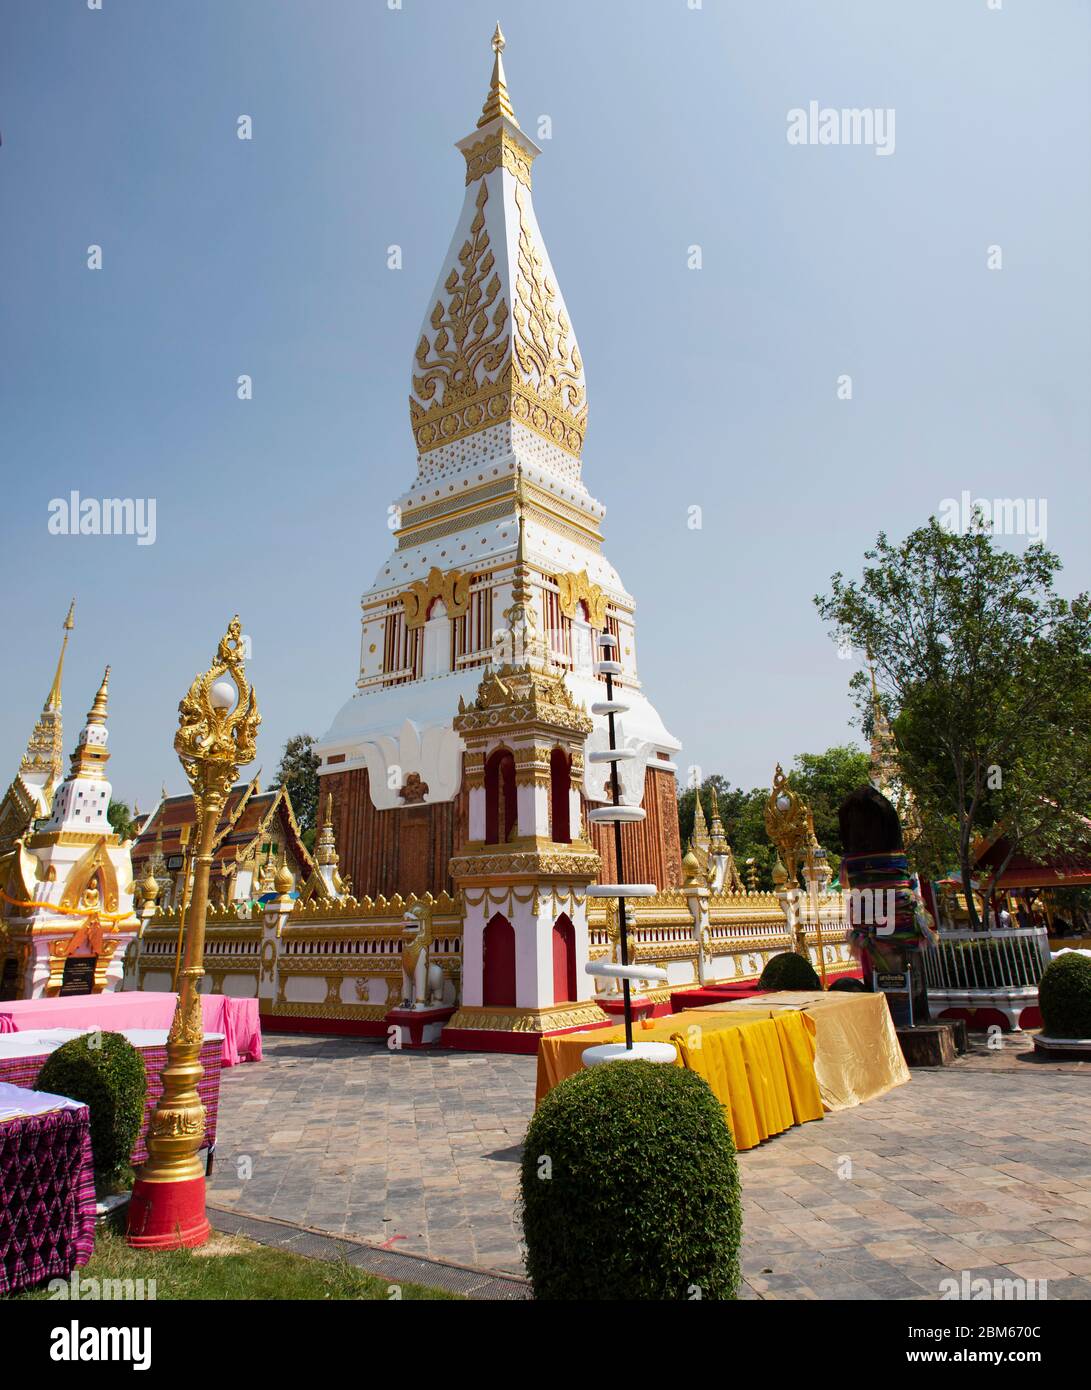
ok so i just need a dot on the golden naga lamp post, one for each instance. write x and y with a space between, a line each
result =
789 825
217 727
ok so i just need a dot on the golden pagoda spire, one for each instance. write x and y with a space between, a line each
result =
718 837
53 699
497 103
91 754
700 837
45 747
325 850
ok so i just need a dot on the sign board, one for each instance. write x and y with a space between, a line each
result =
897 985
79 975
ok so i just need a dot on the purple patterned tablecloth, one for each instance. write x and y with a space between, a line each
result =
47 1197
23 1071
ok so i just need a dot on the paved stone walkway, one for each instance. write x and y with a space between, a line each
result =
983 1167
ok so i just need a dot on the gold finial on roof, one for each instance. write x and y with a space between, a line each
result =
717 836
497 103
691 868
325 849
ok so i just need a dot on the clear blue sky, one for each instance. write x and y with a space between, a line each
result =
714 388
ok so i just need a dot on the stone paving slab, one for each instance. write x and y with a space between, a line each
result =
982 1167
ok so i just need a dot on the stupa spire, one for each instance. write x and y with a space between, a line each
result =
497 360
497 103
45 747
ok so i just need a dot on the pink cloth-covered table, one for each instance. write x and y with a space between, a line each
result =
236 1019
47 1187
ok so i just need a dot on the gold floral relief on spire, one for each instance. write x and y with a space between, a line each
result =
547 363
461 362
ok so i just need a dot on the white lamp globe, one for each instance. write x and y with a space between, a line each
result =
783 802
222 695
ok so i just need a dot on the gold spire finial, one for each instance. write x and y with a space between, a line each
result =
497 103
53 699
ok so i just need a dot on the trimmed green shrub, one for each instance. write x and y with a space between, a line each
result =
106 1073
630 1189
850 984
1064 997
789 971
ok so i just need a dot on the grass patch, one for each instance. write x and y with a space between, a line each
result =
232 1267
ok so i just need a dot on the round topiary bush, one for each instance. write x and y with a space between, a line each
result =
850 984
630 1188
1064 997
106 1073
789 971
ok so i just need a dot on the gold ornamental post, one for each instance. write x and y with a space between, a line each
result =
217 728
790 826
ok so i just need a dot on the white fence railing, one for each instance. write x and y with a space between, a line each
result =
987 960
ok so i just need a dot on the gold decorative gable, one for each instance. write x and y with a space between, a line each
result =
85 870
452 588
574 589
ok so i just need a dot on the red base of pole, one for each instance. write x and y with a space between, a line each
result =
168 1215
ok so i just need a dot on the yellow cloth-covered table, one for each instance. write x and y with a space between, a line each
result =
857 1056
761 1069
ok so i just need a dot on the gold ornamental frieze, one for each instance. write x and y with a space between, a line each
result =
500 150
532 863
365 1013
528 1020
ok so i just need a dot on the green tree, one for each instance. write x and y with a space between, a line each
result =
121 820
823 780
984 673
298 771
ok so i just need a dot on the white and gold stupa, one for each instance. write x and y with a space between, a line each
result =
498 407
67 905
